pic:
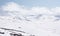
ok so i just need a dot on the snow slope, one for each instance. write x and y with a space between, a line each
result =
44 26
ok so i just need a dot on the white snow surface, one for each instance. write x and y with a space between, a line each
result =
44 26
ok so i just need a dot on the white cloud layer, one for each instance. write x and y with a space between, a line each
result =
11 6
15 9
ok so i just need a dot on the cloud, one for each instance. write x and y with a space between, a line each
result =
11 7
56 10
15 9
41 10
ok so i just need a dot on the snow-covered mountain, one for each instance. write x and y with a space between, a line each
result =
44 25
38 21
